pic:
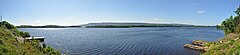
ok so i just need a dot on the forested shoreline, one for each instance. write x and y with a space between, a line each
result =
119 25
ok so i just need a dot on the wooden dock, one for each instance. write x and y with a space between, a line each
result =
36 38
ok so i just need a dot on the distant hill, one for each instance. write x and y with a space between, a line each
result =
124 24
45 26
129 25
113 25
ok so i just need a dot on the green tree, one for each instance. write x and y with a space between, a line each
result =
231 24
218 26
236 20
237 11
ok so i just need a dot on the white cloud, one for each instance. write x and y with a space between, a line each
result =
37 21
158 19
200 12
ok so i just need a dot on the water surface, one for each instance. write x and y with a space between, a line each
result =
125 41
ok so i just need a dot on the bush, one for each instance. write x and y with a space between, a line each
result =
44 45
8 25
51 51
25 34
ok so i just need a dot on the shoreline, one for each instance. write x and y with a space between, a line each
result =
138 27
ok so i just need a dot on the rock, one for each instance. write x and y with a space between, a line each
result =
195 47
220 41
235 39
187 45
198 42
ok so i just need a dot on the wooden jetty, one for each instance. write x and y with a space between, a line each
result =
35 38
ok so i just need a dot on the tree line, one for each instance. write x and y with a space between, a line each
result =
231 24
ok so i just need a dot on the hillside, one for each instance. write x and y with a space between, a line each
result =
10 45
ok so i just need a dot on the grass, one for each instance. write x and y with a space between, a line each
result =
229 45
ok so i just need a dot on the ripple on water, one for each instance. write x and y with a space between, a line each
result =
126 41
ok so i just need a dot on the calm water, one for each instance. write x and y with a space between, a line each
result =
125 41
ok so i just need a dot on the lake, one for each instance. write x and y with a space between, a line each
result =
125 41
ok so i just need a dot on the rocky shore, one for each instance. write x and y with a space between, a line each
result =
197 45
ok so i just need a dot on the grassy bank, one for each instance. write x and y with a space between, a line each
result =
9 44
229 45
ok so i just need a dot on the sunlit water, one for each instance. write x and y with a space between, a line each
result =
125 41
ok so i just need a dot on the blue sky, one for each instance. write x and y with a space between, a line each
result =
76 12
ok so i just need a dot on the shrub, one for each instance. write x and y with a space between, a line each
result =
44 45
24 34
8 25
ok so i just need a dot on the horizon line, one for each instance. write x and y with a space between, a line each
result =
114 22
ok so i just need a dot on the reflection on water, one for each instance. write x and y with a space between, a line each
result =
122 41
